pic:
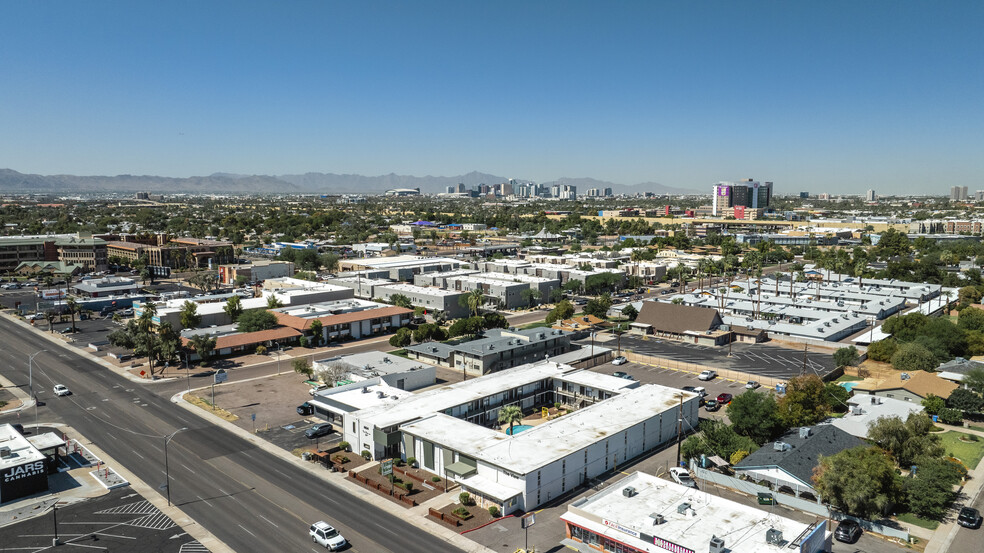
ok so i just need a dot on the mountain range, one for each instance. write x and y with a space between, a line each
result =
308 183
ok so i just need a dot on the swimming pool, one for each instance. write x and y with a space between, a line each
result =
517 429
849 386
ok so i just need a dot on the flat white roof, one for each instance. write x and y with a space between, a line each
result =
376 361
327 308
857 424
426 290
554 439
591 379
743 528
403 261
355 396
21 450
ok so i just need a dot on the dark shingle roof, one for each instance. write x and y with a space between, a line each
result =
678 318
804 454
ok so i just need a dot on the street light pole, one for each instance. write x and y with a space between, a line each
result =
30 370
167 475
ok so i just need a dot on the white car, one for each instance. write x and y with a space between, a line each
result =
682 477
325 534
752 384
61 390
707 375
36 317
619 360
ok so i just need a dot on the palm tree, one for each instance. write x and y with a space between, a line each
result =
204 345
50 317
73 307
475 300
510 414
146 329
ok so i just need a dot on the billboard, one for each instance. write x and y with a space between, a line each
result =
23 480
723 191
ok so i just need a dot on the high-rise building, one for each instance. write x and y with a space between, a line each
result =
804 195
963 193
958 193
608 192
745 193
869 195
460 189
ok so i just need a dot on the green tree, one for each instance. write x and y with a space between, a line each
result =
837 397
974 379
562 310
599 306
72 307
233 307
241 280
965 400
510 414
805 402
754 414
882 350
302 366
189 315
256 320
715 438
474 299
317 331
330 262
401 339
911 357
462 327
531 295
860 481
932 404
846 357
204 346
930 493
273 302
905 440
630 312
400 300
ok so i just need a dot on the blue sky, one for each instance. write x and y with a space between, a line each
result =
837 96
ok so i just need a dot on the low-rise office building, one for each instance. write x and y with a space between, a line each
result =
362 285
23 468
104 287
255 272
430 298
646 514
340 320
498 350
401 267
398 372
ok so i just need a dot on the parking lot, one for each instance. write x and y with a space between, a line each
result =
758 359
121 521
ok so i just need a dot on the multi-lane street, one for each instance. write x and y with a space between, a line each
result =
248 498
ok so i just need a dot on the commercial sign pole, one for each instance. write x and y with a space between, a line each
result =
219 377
529 519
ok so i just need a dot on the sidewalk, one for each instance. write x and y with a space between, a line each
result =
944 534
20 395
339 481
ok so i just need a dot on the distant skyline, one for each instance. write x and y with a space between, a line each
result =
836 96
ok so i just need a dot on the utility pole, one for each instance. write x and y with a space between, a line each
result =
805 347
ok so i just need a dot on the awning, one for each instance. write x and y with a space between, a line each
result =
488 488
460 469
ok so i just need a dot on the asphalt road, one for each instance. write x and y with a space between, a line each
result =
248 498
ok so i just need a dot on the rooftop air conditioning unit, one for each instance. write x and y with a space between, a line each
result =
716 545
856 410
804 432
365 389
380 395
683 508
657 518
628 491
773 536
781 446
4 452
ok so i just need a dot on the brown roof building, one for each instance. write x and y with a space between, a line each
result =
916 387
681 322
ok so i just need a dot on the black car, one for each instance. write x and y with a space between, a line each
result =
848 531
712 405
305 409
969 518
318 431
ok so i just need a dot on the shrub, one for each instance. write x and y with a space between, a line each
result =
461 512
261 350
366 455
344 446
304 341
438 478
412 461
951 416
408 486
493 510
465 498
557 405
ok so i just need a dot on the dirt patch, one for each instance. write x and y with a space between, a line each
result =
204 404
477 516
422 487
